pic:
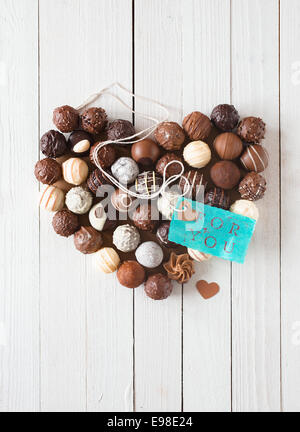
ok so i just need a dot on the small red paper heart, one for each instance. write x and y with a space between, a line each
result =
207 290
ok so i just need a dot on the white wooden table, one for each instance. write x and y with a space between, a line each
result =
72 339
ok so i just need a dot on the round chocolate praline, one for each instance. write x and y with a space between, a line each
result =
93 120
80 142
225 117
252 129
169 135
162 234
105 156
53 144
142 218
125 170
158 286
149 254
97 179
148 183
228 146
225 174
197 126
255 158
145 152
173 169
87 240
47 171
131 274
190 183
65 118
252 187
217 197
121 201
65 223
120 129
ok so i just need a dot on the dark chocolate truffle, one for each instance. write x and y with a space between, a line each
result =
158 286
105 157
173 169
145 152
97 179
87 240
217 197
47 171
225 117
255 158
120 129
148 182
162 234
252 187
225 174
53 144
65 223
169 135
228 146
190 183
93 120
80 142
131 274
197 126
252 129
142 218
65 118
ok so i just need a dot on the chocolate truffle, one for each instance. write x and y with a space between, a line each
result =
225 117
142 218
121 201
107 260
199 256
162 234
180 267
148 183
166 204
217 197
225 174
79 200
149 254
255 158
245 208
65 223
47 171
53 144
131 274
75 171
125 170
169 135
158 286
99 219
52 198
87 240
252 129
252 187
120 129
145 152
192 184
228 146
93 120
105 156
197 154
96 180
65 118
173 169
197 126
80 142
126 238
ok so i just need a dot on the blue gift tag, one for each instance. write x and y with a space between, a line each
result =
211 230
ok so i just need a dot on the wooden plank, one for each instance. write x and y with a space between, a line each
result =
255 285
19 275
290 203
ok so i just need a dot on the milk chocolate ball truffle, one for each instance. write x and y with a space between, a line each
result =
65 223
75 171
65 118
96 180
87 240
252 187
173 169
120 129
217 197
53 144
197 154
169 135
52 199
225 117
99 218
149 254
158 286
79 200
166 204
228 146
225 174
80 142
148 183
255 158
131 274
191 182
121 201
107 260
104 157
162 234
252 129
125 170
47 171
245 208
145 152
126 238
142 218
197 126
93 120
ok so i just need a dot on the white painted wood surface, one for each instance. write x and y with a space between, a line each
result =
74 340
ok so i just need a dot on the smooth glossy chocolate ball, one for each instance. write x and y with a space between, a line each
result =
120 129
96 180
197 126
145 152
105 156
217 197
142 218
255 158
173 169
162 234
225 117
80 142
131 274
225 174
65 118
252 187
93 120
53 144
169 135
252 129
228 146
148 183
192 183
87 240
65 223
158 286
47 171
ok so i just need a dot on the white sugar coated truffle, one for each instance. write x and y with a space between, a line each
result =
79 200
199 256
126 238
107 260
97 217
125 170
245 208
166 204
197 154
149 254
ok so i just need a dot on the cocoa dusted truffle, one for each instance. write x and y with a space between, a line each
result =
228 146
142 218
225 117
217 197
252 187
197 126
173 169
149 254
105 156
162 234
53 144
120 129
65 118
145 152
158 286
65 223
131 274
93 120
190 183
252 130
87 240
97 179
169 135
225 174
47 171
80 142
255 158
148 183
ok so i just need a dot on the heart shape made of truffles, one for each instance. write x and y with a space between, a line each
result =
186 213
207 290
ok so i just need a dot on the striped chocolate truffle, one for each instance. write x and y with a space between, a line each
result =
52 199
255 158
199 256
148 182
75 171
190 183
107 260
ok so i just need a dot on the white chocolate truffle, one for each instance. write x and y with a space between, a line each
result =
166 204
79 200
75 171
245 208
199 256
125 170
107 260
52 199
98 217
197 154
149 254
126 238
